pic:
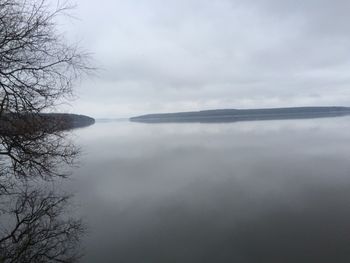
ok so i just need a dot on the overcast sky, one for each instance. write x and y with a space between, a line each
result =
180 55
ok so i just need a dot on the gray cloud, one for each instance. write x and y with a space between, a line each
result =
179 55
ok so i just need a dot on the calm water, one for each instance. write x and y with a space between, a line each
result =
270 191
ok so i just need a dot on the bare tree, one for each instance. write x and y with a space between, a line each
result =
37 71
37 66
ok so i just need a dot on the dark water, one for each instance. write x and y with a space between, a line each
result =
269 191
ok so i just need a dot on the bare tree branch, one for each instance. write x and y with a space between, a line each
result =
37 70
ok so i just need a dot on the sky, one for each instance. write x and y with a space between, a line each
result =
181 55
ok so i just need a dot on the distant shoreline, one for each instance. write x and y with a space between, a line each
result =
17 124
234 115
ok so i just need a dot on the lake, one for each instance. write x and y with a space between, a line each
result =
260 191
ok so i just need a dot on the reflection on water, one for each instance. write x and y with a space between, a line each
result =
35 227
272 191
36 224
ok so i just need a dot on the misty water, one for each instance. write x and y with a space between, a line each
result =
262 191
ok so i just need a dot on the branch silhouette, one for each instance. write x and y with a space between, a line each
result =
39 229
38 69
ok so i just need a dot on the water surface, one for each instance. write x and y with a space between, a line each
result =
264 191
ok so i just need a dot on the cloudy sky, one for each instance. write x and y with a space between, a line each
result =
179 55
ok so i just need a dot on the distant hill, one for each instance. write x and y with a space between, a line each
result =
232 115
69 121
12 124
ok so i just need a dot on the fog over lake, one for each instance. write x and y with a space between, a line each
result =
260 191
